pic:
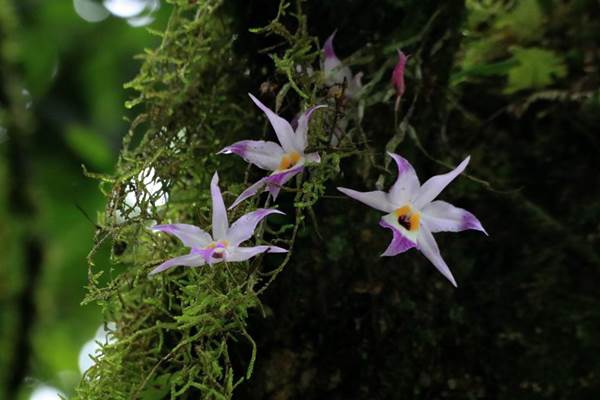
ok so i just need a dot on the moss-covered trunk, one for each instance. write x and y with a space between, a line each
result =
339 321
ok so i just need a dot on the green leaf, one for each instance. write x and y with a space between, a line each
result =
536 68
90 146
484 70
525 20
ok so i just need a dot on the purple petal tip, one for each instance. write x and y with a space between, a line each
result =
471 222
399 243
401 162
328 50
236 148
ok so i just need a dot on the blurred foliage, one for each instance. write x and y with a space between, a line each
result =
496 34
70 75
513 83
535 69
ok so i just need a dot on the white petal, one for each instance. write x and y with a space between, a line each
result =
436 184
189 260
243 229
375 199
282 128
219 214
354 86
407 184
301 135
244 253
250 191
190 235
427 245
263 154
440 216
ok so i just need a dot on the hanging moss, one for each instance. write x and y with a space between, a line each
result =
173 332
325 319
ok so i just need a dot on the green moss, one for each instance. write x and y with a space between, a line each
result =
174 331
383 331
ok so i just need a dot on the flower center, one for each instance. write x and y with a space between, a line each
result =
288 160
219 248
408 218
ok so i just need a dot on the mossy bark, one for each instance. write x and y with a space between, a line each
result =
340 322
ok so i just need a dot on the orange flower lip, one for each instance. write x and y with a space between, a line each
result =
289 160
408 218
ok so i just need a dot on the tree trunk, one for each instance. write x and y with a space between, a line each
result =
339 321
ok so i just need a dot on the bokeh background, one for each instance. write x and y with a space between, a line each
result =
72 59
524 91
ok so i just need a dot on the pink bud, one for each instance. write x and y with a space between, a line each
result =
398 74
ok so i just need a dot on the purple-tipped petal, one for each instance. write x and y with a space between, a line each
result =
398 74
328 50
335 72
273 191
375 199
189 260
190 235
250 191
301 135
436 184
282 128
276 180
426 244
263 154
281 178
273 183
440 216
399 243
407 184
219 214
245 253
243 229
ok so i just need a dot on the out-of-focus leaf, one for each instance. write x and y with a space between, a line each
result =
480 52
525 20
536 68
482 11
89 146
483 70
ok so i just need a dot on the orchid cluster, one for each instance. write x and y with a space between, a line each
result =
412 213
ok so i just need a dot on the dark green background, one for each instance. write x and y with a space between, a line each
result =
514 84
